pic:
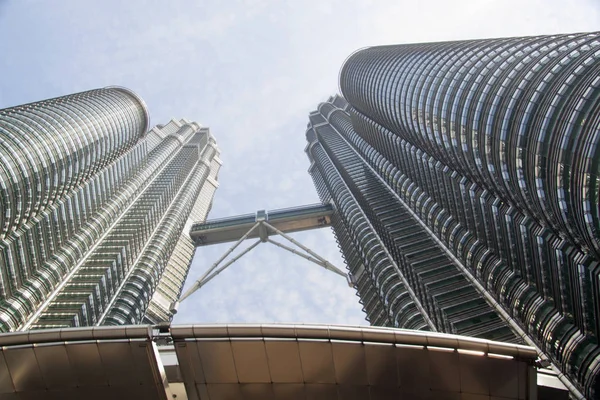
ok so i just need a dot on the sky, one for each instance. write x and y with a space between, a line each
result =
251 70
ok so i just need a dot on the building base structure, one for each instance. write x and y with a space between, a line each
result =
268 361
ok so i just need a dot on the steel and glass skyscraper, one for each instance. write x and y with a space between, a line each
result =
465 176
95 209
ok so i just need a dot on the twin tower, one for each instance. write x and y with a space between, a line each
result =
94 205
464 178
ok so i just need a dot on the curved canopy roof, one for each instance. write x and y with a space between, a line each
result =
260 362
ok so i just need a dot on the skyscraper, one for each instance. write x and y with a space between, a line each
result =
465 176
95 210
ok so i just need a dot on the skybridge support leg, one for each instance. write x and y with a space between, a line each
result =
323 264
264 228
291 239
205 279
198 284
228 252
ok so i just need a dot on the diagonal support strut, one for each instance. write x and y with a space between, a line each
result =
264 227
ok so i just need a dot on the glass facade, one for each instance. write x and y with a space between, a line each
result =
95 207
472 168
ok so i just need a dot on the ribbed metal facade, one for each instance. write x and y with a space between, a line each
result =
403 278
94 210
489 148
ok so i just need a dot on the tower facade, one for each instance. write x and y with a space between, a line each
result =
95 209
465 179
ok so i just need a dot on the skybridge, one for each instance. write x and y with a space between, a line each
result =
262 226
287 220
